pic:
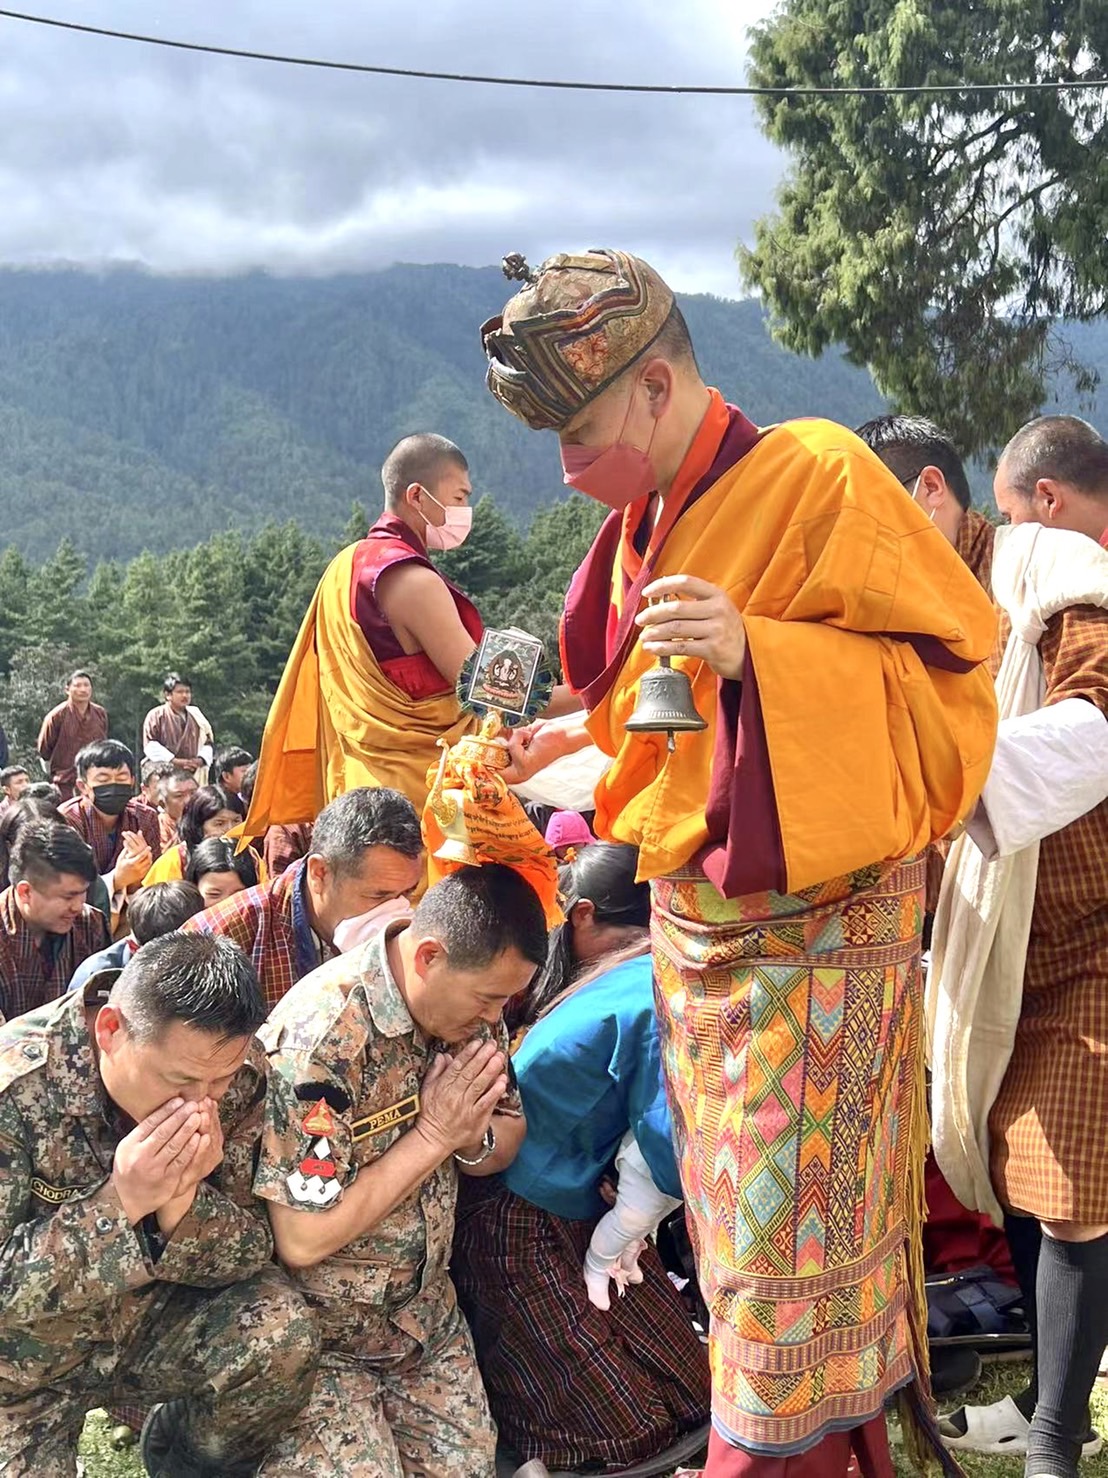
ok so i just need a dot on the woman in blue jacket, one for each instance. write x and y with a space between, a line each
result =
577 1379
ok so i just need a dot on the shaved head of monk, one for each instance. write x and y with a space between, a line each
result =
422 460
1055 472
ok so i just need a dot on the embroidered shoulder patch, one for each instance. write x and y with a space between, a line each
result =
319 1120
314 1182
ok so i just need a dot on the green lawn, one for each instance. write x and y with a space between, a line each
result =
102 1462
996 1382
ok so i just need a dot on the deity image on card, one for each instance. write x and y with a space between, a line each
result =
504 673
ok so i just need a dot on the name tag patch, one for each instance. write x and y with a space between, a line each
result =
57 1195
389 1118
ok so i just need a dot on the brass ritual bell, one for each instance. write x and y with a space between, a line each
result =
665 705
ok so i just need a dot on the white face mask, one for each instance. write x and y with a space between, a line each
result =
353 933
453 532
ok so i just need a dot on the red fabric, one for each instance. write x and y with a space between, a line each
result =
390 542
746 846
955 1239
863 1452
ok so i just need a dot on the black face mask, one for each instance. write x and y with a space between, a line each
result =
111 800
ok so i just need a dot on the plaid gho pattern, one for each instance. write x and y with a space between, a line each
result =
261 921
107 841
1047 1124
34 971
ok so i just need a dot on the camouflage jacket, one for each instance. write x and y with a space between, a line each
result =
74 1273
344 1042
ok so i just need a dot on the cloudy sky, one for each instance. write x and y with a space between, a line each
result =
111 150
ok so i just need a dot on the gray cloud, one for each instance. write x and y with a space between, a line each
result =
110 150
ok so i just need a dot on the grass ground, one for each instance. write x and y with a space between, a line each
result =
997 1381
100 1458
102 1462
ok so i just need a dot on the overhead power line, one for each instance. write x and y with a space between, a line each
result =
1074 84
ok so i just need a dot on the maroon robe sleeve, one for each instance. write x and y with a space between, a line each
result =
49 734
745 853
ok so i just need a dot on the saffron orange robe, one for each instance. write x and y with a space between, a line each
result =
789 1008
338 720
864 724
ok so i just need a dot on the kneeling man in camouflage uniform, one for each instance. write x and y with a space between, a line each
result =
134 1261
397 1056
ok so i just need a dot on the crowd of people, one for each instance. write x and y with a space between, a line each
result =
309 1167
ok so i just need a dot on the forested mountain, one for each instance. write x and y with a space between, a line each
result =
228 427
148 412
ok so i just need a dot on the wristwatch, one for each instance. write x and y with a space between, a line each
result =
488 1144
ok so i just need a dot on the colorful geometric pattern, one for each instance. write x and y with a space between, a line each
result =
571 331
790 1032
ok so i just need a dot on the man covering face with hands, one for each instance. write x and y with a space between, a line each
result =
135 1263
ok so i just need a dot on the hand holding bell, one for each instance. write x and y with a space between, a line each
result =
691 618
685 617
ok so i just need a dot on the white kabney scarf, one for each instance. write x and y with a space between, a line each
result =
1050 767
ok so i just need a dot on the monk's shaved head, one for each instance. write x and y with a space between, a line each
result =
1055 472
1061 449
421 459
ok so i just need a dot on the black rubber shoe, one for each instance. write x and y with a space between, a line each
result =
953 1371
167 1453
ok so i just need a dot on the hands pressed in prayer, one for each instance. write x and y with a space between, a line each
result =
134 862
459 1096
155 1158
209 1153
692 618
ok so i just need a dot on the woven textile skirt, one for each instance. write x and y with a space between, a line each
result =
567 1383
791 1036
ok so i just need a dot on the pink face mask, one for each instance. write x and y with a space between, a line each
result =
616 475
453 532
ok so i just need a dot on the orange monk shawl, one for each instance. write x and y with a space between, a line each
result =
472 817
866 718
337 722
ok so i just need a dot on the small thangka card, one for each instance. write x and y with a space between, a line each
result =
504 673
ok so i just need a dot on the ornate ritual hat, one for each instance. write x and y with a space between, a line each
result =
573 328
